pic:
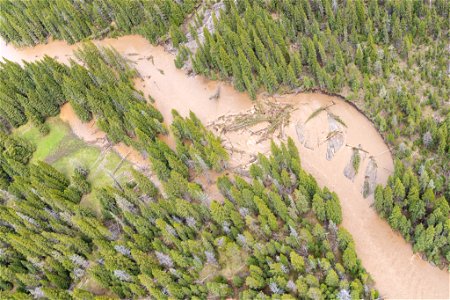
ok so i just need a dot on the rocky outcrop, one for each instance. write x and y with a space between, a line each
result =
335 137
370 178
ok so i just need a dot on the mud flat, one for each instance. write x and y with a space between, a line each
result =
398 273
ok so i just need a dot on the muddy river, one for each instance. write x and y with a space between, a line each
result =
327 131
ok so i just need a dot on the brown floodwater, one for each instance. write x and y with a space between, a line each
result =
397 271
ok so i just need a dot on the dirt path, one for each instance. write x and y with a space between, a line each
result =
398 273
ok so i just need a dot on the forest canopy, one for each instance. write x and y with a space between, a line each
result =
32 22
271 234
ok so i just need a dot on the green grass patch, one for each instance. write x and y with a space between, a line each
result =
45 145
64 151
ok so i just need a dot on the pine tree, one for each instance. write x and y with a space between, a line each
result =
318 206
297 262
359 58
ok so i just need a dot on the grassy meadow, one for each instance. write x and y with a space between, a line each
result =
65 151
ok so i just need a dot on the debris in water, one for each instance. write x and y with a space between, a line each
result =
319 110
338 119
151 59
216 95
275 114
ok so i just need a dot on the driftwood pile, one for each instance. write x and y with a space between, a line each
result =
272 115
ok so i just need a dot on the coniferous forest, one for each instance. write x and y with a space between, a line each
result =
274 233
159 241
33 22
